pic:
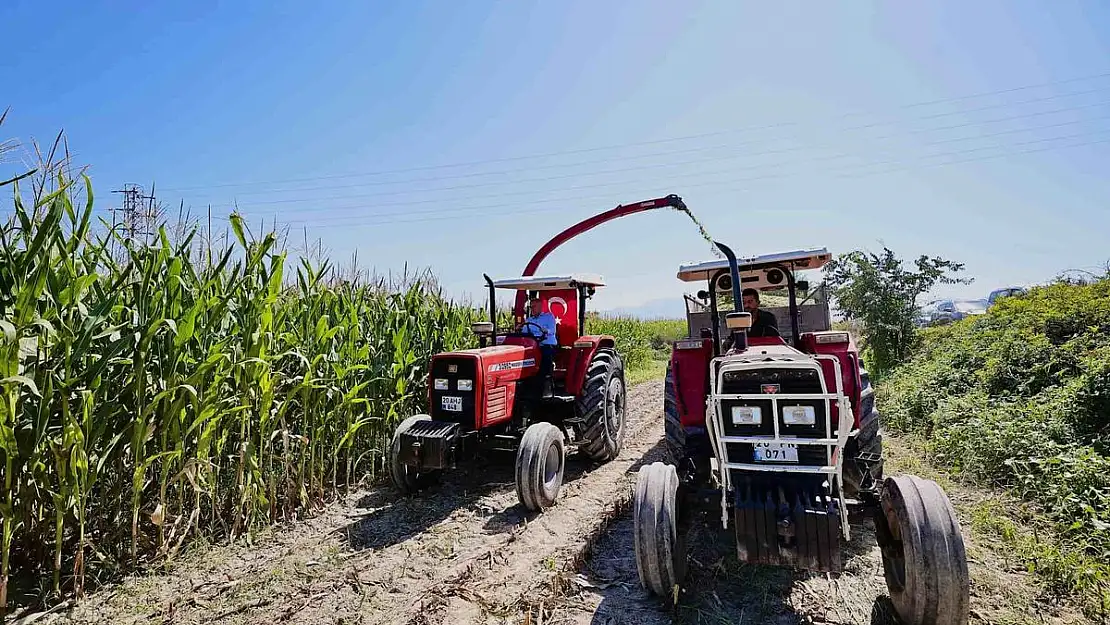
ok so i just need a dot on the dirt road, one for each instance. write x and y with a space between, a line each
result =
464 552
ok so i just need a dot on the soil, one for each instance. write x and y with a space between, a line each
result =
464 551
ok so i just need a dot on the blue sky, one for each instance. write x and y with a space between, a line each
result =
461 135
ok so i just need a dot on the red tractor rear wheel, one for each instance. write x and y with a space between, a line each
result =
659 536
672 422
602 407
924 560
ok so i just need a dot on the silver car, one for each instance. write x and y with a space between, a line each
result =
940 312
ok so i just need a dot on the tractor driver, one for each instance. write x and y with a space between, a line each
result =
541 324
763 322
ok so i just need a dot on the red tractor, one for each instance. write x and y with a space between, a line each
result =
493 397
780 435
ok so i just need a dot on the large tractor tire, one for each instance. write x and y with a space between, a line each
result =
924 560
602 407
672 423
540 462
659 535
407 479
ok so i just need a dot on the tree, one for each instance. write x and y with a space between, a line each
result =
876 290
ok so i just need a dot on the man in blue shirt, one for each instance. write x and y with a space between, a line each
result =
541 324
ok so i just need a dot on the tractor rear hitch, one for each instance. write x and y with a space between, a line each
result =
430 445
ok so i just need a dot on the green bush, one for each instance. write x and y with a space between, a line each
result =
1020 398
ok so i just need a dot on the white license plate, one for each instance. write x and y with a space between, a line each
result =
776 452
451 404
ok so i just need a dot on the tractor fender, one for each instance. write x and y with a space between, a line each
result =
690 360
578 360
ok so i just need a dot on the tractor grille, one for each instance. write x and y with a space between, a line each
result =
497 403
790 381
786 382
766 427
453 369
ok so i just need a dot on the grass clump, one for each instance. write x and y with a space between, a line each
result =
1020 398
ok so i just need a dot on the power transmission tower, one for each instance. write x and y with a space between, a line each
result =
138 215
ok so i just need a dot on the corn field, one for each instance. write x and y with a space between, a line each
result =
157 392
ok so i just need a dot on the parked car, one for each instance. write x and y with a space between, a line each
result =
940 312
1009 291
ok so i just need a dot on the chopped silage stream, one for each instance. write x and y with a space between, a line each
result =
464 552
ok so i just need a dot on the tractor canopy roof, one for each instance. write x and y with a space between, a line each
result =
547 283
813 258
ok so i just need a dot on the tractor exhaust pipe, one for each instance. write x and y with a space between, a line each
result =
492 306
739 336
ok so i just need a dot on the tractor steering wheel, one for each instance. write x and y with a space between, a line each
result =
543 330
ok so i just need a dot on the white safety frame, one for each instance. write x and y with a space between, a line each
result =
715 422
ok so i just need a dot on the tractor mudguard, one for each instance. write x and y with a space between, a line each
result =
578 360
690 365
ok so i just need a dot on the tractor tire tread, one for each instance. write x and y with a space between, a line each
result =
604 369
658 541
672 423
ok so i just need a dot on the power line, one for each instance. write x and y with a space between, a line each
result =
601 185
665 140
451 215
649 166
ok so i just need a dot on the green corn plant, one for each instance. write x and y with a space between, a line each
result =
153 392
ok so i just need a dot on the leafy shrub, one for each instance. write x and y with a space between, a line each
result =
1020 398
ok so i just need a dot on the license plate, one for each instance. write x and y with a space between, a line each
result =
776 452
451 404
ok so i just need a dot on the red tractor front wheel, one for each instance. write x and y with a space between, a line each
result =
408 479
924 560
659 536
540 462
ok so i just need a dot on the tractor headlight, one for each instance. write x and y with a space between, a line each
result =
747 415
441 384
799 415
466 385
